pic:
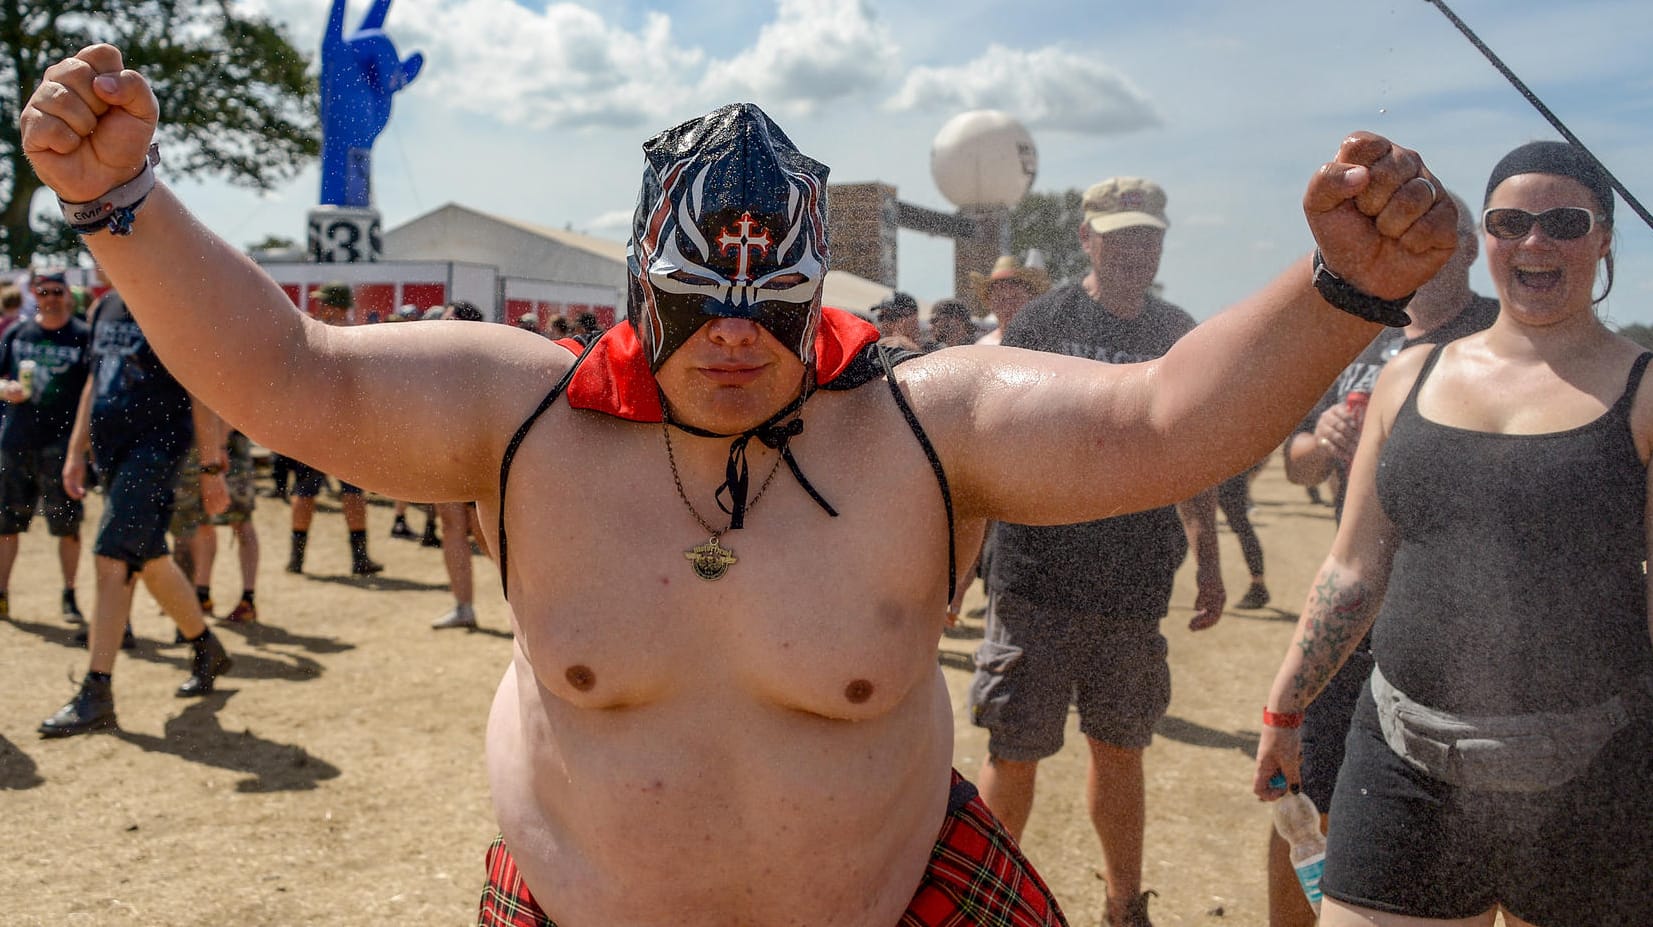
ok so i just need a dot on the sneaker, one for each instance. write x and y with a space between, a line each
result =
460 616
5 606
1135 915
1255 597
92 709
400 529
431 539
210 662
366 567
295 563
244 612
71 609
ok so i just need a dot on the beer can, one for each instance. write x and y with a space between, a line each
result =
25 377
1355 401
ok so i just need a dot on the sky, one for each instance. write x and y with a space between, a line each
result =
537 110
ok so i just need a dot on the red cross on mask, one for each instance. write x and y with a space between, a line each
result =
744 240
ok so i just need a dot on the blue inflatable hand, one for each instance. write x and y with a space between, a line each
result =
359 75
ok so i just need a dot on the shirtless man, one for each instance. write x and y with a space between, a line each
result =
716 719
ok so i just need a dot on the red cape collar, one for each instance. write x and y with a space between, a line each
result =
615 378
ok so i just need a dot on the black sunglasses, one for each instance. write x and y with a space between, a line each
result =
50 291
1563 223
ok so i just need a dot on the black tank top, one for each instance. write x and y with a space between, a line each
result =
874 361
1517 583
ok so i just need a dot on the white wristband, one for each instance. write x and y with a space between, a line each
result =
114 210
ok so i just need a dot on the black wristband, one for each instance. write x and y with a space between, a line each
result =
1357 302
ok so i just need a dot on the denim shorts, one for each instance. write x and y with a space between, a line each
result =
35 477
138 483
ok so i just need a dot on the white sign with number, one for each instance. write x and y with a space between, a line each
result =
343 235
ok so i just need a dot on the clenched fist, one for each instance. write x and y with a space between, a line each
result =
88 126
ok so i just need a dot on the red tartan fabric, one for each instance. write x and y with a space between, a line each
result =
977 878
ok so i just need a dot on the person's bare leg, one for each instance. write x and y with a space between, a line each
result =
203 550
1116 795
355 511
304 511
456 557
1336 914
1006 787
111 609
247 538
8 559
93 707
1287 906
355 519
172 590
68 559
456 550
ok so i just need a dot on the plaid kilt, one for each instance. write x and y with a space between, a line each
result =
976 878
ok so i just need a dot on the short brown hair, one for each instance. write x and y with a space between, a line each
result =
11 297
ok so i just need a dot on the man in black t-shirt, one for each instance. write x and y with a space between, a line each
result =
137 422
1074 610
43 366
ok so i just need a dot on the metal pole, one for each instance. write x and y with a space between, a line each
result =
1542 109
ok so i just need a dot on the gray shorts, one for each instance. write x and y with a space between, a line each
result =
1037 660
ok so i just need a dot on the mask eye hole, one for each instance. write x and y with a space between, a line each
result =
785 281
692 279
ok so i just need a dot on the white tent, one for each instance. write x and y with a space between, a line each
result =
532 259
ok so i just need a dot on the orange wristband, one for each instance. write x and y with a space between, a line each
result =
1284 719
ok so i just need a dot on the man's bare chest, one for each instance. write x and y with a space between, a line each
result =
833 615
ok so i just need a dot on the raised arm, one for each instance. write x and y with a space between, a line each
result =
368 404
1044 439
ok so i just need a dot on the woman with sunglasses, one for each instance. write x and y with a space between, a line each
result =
1501 757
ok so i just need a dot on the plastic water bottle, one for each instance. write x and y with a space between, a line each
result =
1298 821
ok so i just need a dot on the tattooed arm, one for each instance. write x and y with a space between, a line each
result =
1347 591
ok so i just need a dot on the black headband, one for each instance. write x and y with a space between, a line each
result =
1557 158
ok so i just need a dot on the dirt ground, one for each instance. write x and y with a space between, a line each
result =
336 776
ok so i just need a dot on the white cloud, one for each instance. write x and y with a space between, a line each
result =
564 66
1047 88
811 52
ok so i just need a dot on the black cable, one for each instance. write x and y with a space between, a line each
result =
1543 110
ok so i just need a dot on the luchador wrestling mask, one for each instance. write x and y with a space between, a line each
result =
730 223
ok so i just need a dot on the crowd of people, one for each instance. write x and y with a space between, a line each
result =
1469 694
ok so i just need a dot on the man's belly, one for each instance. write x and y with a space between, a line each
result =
718 810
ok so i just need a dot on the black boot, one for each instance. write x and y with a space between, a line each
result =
92 709
360 563
295 560
399 529
209 662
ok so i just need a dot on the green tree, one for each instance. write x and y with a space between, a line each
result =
1050 222
237 100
